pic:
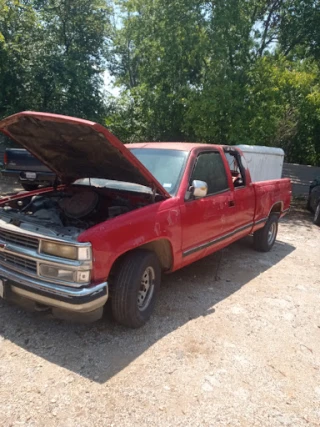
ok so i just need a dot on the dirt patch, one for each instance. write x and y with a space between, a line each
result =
232 343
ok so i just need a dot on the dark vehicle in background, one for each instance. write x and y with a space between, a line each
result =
20 164
314 200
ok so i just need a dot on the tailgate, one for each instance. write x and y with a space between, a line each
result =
21 160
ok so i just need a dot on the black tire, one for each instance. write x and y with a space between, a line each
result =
262 239
127 287
30 187
316 218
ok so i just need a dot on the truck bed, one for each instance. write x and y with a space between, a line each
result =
271 193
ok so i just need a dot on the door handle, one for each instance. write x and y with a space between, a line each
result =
231 203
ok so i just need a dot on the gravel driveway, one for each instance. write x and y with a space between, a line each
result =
235 340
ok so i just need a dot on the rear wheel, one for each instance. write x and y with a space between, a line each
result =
135 288
30 187
316 218
265 238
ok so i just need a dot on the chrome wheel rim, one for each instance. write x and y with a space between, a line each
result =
146 289
272 233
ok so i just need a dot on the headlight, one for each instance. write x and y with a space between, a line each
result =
66 251
64 274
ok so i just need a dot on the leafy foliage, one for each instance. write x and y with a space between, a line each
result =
53 55
222 71
225 71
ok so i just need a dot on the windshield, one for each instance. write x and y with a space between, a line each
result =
165 165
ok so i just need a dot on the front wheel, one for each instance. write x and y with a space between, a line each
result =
316 218
265 238
135 288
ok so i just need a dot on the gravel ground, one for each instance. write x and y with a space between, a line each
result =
234 341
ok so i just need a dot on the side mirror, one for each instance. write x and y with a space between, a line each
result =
199 189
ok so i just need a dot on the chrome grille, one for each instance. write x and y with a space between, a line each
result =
19 239
17 261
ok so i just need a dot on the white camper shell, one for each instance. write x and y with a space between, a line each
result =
264 163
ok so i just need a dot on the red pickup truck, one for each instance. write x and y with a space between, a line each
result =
119 216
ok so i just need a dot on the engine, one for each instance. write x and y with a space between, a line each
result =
67 213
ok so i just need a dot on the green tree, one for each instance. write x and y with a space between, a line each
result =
158 54
17 25
54 55
72 46
300 28
225 71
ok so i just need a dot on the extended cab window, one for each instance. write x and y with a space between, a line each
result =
209 167
236 168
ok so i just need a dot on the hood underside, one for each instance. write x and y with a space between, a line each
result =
75 148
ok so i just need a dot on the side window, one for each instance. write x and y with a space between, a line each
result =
209 167
236 169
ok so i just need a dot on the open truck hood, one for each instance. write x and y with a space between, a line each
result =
74 148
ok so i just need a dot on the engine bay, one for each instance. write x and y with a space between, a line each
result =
69 212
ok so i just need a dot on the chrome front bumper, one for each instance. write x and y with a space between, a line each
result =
76 300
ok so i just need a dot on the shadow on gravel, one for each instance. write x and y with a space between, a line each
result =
299 215
101 350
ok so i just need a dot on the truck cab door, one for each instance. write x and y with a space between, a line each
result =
206 221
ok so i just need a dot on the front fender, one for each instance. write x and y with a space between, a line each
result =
129 231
